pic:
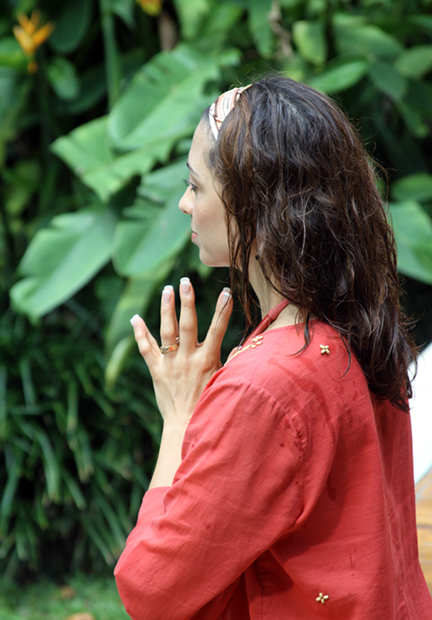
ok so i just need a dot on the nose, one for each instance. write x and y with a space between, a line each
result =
185 203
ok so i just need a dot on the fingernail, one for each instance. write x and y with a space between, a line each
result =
166 294
133 319
185 285
226 294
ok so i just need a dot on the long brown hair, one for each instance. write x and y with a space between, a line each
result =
295 177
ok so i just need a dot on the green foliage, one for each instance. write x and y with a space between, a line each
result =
92 153
74 455
46 601
63 257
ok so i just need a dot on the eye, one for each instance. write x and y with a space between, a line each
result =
190 185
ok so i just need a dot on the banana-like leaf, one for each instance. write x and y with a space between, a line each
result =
62 258
164 100
141 247
134 300
163 103
88 152
413 231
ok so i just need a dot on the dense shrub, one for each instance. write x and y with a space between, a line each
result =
95 125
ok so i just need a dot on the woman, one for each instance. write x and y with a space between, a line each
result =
283 487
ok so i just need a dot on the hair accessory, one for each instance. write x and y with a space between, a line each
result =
223 105
170 347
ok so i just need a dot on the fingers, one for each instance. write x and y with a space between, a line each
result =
186 328
169 330
188 319
220 320
147 345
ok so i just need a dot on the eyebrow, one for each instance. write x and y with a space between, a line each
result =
192 170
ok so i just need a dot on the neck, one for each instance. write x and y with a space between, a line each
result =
268 297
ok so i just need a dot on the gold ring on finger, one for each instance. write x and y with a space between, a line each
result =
170 347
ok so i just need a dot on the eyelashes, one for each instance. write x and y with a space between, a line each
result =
190 185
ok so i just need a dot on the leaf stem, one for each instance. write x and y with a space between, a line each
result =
112 61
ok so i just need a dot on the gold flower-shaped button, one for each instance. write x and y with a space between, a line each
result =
324 349
322 598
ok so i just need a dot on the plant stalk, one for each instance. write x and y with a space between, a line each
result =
112 60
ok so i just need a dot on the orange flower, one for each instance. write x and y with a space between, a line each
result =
152 7
30 36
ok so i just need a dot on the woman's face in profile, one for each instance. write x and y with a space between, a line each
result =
202 202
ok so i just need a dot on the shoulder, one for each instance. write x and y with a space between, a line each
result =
312 385
280 362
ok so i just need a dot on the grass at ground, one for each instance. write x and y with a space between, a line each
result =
82 598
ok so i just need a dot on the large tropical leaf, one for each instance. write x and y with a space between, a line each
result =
163 103
62 258
134 300
88 152
164 100
157 233
413 231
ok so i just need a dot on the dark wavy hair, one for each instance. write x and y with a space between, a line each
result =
295 177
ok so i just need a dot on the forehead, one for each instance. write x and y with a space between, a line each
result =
201 143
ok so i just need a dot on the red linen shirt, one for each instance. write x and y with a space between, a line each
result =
294 499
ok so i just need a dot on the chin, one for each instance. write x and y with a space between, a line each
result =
212 261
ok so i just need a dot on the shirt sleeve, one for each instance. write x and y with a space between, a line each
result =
238 489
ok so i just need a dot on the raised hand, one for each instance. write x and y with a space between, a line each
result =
180 375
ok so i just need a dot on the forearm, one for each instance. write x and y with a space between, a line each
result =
169 457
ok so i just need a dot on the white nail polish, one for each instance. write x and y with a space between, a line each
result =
166 294
134 318
226 295
185 285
